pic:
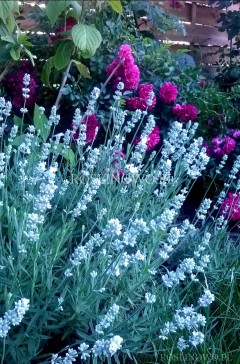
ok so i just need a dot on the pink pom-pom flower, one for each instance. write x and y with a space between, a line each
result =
124 69
185 112
92 126
168 93
141 102
152 140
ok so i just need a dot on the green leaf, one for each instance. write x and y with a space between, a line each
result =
181 51
8 38
40 122
15 53
86 38
24 39
19 140
69 155
6 7
55 8
116 6
3 29
30 55
15 6
82 69
47 68
17 120
22 139
63 54
11 23
77 8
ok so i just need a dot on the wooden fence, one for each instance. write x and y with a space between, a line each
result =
202 38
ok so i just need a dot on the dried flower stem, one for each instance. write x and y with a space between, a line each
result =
64 80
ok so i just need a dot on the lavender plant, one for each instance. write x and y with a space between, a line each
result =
103 261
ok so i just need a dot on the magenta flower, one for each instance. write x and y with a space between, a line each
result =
153 139
131 77
13 83
118 175
92 124
185 112
220 146
168 93
231 207
140 102
223 145
209 151
124 51
127 72
70 22
133 104
234 133
118 156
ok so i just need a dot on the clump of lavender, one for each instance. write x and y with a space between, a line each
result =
188 320
13 317
93 246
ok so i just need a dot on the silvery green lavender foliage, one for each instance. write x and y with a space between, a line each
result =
88 253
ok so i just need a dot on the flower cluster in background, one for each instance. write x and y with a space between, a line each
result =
220 146
70 22
124 69
223 145
140 102
168 93
231 206
13 83
185 112
92 125
152 140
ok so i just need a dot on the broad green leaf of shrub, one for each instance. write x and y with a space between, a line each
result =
8 38
116 6
82 69
63 54
87 39
55 8
15 8
77 9
24 39
46 71
6 7
3 29
15 53
40 122
10 22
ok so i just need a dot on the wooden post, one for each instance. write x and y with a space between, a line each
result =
194 13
